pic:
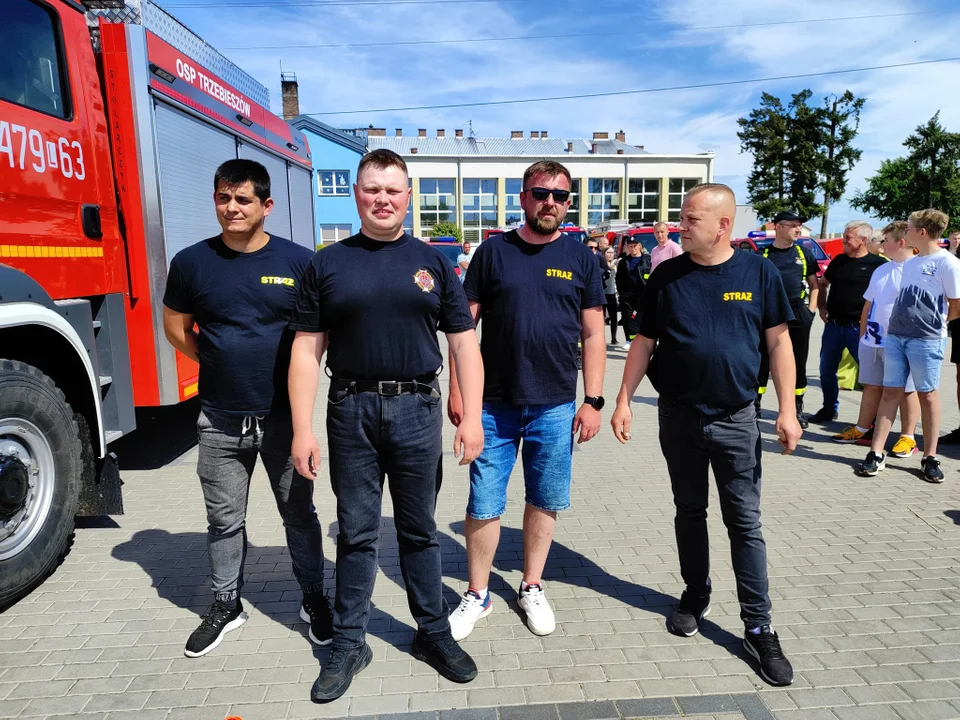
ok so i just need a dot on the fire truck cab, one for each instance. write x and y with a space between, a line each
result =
113 119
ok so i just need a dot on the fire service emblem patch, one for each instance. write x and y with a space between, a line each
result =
424 280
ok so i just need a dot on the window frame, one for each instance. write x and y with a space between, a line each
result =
642 208
336 229
435 211
334 194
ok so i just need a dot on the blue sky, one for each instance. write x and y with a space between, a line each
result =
642 44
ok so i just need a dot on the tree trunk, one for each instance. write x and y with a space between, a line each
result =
826 213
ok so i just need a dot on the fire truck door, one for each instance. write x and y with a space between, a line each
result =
301 207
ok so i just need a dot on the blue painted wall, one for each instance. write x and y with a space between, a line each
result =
328 155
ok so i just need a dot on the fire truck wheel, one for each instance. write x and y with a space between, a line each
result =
40 475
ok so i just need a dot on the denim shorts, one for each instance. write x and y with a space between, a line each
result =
920 357
871 368
547 435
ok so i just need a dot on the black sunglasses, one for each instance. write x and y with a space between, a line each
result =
541 194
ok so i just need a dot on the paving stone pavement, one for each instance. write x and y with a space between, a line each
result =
865 582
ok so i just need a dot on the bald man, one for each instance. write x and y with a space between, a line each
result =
710 362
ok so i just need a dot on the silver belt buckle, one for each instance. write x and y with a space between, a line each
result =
389 388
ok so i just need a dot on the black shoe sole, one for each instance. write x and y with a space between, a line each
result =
442 669
756 656
330 696
674 630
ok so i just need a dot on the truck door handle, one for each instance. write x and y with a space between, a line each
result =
90 219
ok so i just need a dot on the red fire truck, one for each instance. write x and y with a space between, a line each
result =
113 119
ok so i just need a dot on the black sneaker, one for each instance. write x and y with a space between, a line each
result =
315 609
337 673
685 620
765 647
872 465
951 438
445 656
220 619
823 415
931 469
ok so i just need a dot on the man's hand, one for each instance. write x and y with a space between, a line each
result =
468 440
587 422
455 408
620 422
306 455
788 432
823 314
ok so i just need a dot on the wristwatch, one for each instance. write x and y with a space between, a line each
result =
595 402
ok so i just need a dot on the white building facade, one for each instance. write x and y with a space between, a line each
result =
476 182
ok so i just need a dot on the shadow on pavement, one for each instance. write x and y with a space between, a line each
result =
953 515
175 424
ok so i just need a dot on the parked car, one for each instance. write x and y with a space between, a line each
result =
759 244
572 231
647 239
450 248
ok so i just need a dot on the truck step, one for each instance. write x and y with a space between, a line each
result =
97 324
105 380
112 435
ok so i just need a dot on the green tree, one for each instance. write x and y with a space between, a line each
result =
840 118
928 177
804 160
447 229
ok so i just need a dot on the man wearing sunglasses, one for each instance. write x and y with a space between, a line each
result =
537 292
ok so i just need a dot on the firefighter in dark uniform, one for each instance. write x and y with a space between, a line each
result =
375 301
631 279
798 270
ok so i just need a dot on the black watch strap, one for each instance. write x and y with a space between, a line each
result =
594 401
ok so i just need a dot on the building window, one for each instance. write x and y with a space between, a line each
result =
603 200
678 188
32 72
334 183
335 233
479 208
408 219
643 200
573 212
438 202
514 213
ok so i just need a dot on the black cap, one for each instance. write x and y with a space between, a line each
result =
633 238
786 216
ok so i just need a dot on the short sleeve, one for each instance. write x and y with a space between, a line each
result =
455 314
308 314
649 314
951 277
476 274
812 266
593 295
830 274
776 307
179 293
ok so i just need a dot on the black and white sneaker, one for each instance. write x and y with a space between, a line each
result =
686 619
873 464
315 609
931 469
220 619
765 647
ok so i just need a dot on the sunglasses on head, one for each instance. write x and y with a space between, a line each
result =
541 194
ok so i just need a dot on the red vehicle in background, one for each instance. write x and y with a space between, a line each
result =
450 249
645 233
751 244
577 233
113 120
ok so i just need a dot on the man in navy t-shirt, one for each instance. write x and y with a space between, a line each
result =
537 293
240 288
704 316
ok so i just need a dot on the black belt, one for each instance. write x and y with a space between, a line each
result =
390 388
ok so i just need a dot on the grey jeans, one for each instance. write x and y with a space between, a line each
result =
229 447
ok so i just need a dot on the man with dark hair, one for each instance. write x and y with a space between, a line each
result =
798 270
240 288
376 301
708 365
538 293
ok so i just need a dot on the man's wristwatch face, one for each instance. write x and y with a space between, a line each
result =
595 402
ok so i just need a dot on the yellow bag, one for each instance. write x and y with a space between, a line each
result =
847 373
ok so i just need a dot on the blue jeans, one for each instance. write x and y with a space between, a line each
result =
836 337
229 446
370 438
920 358
691 444
547 434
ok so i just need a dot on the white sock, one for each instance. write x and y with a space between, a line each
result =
481 593
524 585
863 430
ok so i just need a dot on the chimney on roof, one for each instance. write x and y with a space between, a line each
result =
543 134
593 148
290 92
619 151
569 147
458 133
534 135
516 134
422 132
398 132
413 151
376 132
639 147
441 132
621 136
601 136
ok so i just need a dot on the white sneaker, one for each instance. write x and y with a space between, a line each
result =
470 609
625 346
540 617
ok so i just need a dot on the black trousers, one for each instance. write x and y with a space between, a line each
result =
627 321
612 310
799 329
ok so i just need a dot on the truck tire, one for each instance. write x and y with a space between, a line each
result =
41 464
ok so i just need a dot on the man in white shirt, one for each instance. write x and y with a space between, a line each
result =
929 297
880 297
665 248
463 260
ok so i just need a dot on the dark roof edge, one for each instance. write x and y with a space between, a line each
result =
305 122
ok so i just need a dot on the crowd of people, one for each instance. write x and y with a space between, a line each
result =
369 308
